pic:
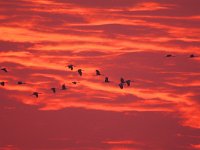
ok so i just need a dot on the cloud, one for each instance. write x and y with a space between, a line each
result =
125 38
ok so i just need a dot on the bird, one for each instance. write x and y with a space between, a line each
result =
122 80
75 82
71 66
128 82
169 55
63 87
80 72
20 82
53 90
4 69
121 85
106 80
98 73
2 83
192 56
36 94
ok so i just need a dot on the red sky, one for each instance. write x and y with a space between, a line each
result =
121 38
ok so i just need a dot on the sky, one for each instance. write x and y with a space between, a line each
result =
121 38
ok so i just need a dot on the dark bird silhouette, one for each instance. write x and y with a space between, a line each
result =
106 80
75 82
128 82
2 83
122 80
98 73
71 67
4 69
36 94
80 72
53 90
63 87
121 85
192 56
20 82
169 55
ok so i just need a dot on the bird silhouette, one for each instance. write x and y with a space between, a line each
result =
4 69
80 72
20 82
2 83
121 85
169 55
122 80
63 87
53 90
106 80
192 56
36 94
98 73
128 82
75 82
71 67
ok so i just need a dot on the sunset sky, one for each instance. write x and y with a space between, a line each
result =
121 38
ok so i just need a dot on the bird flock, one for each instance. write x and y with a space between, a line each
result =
121 85
63 86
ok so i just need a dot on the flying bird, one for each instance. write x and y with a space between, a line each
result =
106 80
2 83
4 69
98 73
71 67
128 82
75 82
80 72
53 90
122 80
169 55
121 85
36 94
63 87
20 82
192 56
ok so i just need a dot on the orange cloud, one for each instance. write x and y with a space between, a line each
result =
150 6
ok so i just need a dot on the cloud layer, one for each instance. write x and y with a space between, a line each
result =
121 38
